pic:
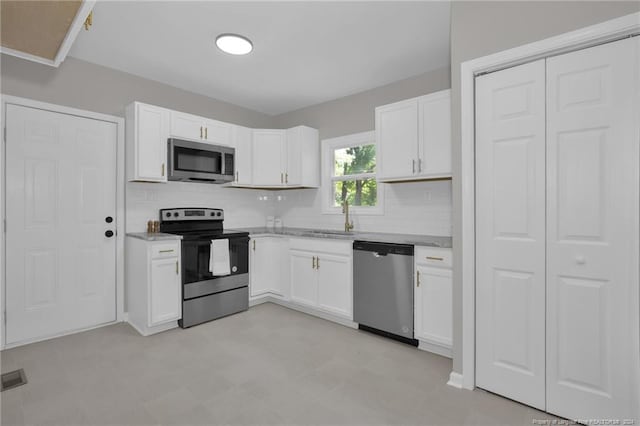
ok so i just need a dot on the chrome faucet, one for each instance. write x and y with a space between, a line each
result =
348 226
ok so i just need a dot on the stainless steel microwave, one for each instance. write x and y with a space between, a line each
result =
191 161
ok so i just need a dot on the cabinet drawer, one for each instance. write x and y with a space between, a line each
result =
159 251
434 256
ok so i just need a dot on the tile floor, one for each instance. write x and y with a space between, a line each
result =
269 365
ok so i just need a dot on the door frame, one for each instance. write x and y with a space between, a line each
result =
604 32
120 206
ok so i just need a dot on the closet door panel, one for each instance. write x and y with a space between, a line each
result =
592 234
510 281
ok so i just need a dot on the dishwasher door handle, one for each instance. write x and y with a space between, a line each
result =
376 254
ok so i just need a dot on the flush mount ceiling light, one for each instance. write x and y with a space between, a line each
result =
234 44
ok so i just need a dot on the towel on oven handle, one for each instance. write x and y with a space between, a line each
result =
219 263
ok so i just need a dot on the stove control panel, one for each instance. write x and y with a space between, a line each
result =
168 215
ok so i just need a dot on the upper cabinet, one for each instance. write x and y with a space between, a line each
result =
286 158
147 131
269 153
414 138
242 140
201 129
264 158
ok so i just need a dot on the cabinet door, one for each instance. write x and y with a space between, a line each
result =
187 126
293 148
268 154
433 308
164 291
264 264
244 156
217 132
397 139
304 278
152 125
335 285
434 134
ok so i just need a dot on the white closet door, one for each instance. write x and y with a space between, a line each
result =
592 239
510 223
60 187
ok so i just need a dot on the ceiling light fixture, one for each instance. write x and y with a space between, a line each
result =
234 44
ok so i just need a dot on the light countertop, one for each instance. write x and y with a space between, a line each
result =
418 240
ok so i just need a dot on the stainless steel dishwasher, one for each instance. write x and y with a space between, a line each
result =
383 289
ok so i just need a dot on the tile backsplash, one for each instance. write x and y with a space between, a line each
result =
410 208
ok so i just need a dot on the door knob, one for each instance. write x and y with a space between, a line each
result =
109 233
108 219
580 260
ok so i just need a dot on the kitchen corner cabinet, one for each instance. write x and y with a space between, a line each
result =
154 289
192 127
321 275
270 154
286 158
413 138
268 268
433 312
147 131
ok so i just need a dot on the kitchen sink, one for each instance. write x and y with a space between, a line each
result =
330 232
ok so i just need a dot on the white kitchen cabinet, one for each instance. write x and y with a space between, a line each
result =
433 311
268 267
286 158
414 138
165 291
303 157
334 284
147 131
434 135
321 275
269 154
304 280
154 289
242 137
193 127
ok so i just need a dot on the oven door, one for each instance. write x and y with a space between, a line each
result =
198 281
201 162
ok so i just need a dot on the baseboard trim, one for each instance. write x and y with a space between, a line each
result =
455 380
304 309
435 348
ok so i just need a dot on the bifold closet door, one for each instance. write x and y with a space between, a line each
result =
592 232
510 233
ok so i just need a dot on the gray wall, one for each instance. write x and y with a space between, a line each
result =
355 113
91 87
481 28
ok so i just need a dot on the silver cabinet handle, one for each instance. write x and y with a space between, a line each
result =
417 278
201 132
254 245
318 262
206 133
177 268
419 165
440 259
313 262
166 251
413 165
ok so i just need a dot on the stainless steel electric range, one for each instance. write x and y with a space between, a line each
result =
206 297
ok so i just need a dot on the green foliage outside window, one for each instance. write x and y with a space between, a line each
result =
360 191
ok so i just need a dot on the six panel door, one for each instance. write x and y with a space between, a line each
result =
510 233
60 188
592 232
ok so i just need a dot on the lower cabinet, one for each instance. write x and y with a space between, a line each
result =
154 285
433 299
321 275
267 267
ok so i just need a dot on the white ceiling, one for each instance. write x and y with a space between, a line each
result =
304 53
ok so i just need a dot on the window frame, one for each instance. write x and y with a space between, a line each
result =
328 146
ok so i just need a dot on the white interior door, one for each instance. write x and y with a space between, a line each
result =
510 223
60 188
592 238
